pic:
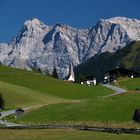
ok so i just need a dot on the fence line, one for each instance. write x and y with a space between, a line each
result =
78 127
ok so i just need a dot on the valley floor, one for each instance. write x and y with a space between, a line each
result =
50 101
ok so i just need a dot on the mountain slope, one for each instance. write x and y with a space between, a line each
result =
38 46
128 57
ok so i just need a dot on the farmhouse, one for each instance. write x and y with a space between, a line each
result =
90 81
112 75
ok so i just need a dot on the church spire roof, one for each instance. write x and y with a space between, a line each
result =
71 74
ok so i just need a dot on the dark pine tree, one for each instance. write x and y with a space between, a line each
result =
54 73
1 102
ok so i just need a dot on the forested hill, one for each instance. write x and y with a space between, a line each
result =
128 57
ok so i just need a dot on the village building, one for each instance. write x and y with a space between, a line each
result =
113 74
90 81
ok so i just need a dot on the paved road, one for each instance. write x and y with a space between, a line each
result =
9 124
116 89
7 113
10 112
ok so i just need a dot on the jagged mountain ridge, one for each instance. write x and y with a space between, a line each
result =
43 47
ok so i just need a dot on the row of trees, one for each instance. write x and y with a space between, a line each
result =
54 73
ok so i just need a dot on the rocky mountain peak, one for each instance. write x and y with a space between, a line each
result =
35 23
43 47
131 25
123 20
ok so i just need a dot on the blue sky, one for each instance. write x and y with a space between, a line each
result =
77 13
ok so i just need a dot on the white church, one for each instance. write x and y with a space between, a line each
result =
71 76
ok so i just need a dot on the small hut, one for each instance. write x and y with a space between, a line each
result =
19 112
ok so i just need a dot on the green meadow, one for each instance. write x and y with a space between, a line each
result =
60 134
52 101
130 84
115 109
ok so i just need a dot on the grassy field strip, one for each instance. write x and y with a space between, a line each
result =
106 110
61 134
129 83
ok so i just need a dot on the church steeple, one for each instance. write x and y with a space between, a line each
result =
71 74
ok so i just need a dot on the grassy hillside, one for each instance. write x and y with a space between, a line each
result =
115 109
18 96
128 57
48 85
51 134
22 88
110 109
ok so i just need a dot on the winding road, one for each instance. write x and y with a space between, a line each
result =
7 113
117 90
8 124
